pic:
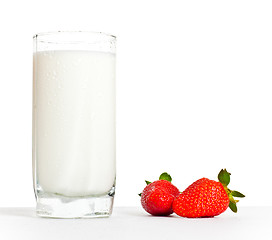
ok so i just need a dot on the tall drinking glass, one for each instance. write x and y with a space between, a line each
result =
74 124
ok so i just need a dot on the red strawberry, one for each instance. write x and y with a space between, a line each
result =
206 198
157 197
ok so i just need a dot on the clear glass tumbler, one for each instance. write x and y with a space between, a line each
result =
74 124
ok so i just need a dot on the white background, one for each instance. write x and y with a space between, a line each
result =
194 91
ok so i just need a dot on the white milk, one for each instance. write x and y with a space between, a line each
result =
74 129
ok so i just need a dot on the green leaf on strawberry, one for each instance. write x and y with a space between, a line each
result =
147 182
237 194
165 176
233 206
224 177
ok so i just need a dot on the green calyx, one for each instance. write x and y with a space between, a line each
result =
147 182
224 178
163 176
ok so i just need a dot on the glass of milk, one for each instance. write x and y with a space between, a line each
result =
74 124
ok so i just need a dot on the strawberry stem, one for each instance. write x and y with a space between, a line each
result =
224 178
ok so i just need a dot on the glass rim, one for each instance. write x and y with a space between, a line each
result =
44 34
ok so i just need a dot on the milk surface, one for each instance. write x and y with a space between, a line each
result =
74 122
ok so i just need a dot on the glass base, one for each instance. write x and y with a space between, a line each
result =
58 206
